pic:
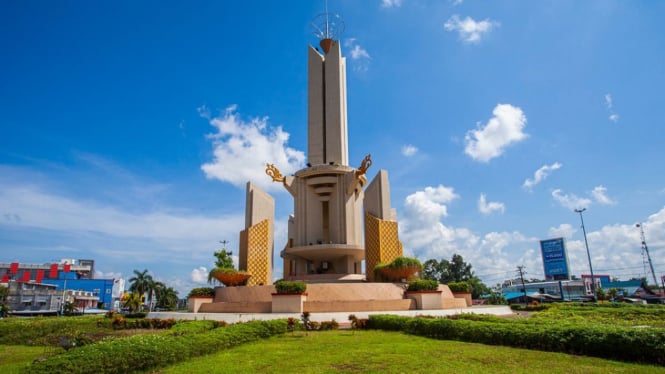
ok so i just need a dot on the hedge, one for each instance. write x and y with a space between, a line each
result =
286 287
145 352
423 285
644 345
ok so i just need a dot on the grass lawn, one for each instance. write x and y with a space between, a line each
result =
391 352
13 357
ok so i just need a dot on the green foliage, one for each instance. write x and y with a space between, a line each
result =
423 285
455 270
147 352
401 268
133 301
614 342
201 291
287 287
405 262
141 282
535 307
228 276
604 314
459 286
223 259
496 298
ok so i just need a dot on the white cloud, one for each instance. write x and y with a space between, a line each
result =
540 175
429 204
600 194
359 56
469 30
391 3
409 150
608 101
242 149
456 2
571 201
610 107
359 52
564 230
488 208
199 275
502 130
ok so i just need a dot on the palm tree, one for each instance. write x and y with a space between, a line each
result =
153 292
167 298
132 301
141 282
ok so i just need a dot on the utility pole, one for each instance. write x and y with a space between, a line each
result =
646 250
521 271
586 244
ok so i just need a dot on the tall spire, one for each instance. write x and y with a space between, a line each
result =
327 27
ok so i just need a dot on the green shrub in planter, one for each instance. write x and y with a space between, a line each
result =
201 291
459 286
401 268
286 287
423 285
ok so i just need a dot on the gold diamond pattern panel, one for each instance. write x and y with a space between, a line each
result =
382 243
258 253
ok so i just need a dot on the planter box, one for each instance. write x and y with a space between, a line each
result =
425 299
195 302
464 295
288 302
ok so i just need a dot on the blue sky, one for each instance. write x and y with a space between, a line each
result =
129 129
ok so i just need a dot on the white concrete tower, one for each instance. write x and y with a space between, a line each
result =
325 237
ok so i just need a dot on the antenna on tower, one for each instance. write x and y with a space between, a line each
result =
327 27
645 249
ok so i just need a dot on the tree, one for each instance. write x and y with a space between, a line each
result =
141 282
478 288
435 270
455 270
446 271
224 272
132 301
167 298
69 308
224 259
600 293
496 298
459 270
4 308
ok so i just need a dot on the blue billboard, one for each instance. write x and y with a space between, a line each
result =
555 260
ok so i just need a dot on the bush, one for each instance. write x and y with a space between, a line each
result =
287 287
147 352
606 341
459 286
423 285
401 268
201 291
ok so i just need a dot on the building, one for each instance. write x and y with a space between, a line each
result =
74 276
550 290
29 298
339 220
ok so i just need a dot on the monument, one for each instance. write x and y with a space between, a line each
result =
339 220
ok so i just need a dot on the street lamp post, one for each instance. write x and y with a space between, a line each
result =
586 244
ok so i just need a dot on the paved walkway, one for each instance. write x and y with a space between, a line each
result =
340 317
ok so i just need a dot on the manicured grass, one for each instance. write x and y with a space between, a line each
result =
391 352
14 357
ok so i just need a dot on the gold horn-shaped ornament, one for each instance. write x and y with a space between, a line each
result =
274 173
367 162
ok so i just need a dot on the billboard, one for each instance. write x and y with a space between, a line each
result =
555 260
